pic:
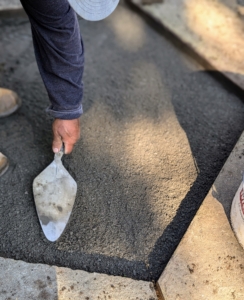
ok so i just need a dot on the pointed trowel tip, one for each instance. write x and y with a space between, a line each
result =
53 230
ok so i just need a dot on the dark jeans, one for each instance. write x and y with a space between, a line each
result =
59 54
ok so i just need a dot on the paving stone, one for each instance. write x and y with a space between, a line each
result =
209 262
21 280
212 28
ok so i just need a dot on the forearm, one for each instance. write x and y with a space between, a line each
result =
59 53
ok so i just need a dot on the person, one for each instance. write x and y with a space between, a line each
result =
59 54
9 103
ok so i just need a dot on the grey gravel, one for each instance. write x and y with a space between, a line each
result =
155 133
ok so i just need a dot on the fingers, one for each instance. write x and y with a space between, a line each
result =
57 142
69 141
67 132
68 147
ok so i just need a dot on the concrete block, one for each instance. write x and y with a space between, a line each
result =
212 28
209 262
25 281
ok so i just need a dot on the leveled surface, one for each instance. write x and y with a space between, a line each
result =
155 133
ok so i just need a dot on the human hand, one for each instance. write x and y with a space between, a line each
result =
67 132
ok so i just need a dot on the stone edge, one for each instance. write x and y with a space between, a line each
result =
204 60
33 281
232 157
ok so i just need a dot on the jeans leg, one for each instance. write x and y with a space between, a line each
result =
59 54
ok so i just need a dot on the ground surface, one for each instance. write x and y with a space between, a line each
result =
9 4
155 133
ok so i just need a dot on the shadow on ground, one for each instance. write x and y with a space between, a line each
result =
155 133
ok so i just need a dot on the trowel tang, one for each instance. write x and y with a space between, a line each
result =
54 194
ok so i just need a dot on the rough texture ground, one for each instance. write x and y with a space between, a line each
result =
21 280
155 133
209 261
211 28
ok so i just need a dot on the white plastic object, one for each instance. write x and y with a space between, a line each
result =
237 214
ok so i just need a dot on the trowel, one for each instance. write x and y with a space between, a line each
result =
237 214
54 192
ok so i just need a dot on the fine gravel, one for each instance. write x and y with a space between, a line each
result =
156 131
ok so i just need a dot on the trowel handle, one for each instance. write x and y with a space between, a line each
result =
58 156
62 149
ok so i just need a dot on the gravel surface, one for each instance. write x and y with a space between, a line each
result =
155 133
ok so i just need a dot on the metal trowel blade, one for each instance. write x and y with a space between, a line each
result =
54 193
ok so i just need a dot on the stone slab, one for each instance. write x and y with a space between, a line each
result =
21 280
209 262
212 28
10 5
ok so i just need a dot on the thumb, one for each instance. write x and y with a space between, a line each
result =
57 142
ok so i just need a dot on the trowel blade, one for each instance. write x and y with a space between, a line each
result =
54 193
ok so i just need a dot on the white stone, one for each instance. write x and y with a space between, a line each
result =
208 264
25 281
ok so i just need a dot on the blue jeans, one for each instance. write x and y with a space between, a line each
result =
59 54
